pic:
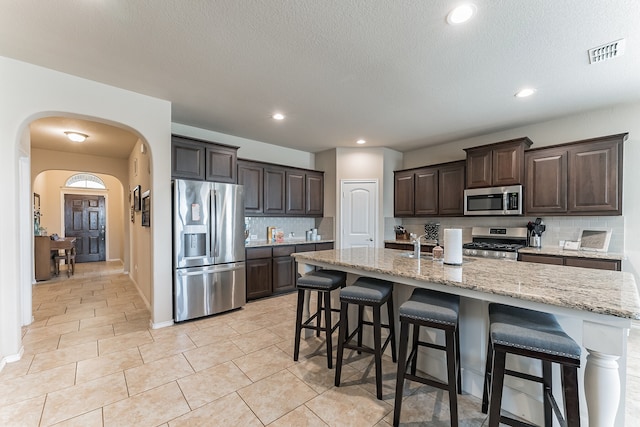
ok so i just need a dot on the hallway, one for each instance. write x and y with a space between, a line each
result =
91 360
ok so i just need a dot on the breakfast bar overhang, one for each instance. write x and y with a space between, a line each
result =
595 307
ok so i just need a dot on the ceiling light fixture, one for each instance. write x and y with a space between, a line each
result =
278 116
523 93
361 141
76 136
461 14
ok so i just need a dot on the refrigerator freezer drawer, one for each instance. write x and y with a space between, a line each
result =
202 291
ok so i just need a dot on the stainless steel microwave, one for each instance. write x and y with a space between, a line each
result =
493 201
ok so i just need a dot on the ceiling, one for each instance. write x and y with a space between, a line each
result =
391 72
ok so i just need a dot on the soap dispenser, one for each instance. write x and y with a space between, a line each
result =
438 253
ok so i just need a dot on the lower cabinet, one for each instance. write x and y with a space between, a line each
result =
408 247
599 264
272 270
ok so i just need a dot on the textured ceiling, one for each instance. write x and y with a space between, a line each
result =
392 72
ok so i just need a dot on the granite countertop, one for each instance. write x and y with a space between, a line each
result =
598 291
261 243
558 251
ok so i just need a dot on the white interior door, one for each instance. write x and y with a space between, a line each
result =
358 214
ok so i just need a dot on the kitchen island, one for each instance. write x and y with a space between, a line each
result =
594 307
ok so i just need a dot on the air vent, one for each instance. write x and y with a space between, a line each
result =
606 51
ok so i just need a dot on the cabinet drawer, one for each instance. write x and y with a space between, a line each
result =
600 264
310 247
324 246
255 253
283 250
541 259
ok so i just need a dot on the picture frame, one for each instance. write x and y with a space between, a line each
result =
594 239
136 198
146 208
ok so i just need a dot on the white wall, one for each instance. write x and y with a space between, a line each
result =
30 92
250 149
607 121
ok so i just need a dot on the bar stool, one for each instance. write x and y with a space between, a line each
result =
539 336
436 310
366 292
323 282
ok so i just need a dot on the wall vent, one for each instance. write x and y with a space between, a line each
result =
606 51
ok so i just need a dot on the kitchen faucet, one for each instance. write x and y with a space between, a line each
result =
416 244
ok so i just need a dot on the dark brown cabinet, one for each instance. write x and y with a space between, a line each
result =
250 176
295 198
408 247
579 178
273 190
258 272
436 190
496 165
546 181
271 269
599 264
202 160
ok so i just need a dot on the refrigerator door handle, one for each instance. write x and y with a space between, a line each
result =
214 219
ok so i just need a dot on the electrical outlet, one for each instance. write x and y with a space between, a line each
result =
254 237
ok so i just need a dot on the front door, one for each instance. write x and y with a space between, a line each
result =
84 219
359 214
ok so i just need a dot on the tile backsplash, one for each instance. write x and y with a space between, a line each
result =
558 227
297 226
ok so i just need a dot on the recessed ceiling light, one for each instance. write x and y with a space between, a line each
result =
523 93
461 14
361 141
278 116
76 136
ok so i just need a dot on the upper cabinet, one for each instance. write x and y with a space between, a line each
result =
273 190
496 165
579 178
436 190
202 160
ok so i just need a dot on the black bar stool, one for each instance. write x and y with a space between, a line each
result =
323 282
367 292
537 335
436 310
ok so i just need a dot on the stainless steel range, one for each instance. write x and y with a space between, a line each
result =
496 242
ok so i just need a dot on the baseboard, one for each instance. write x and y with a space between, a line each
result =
160 324
11 358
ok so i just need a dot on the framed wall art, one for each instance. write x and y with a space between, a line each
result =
136 198
146 208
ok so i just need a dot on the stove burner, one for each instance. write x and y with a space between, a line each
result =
486 246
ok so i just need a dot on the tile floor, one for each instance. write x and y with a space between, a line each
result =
91 360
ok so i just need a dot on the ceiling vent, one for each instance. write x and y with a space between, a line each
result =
606 51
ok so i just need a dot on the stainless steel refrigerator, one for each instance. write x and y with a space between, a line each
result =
208 248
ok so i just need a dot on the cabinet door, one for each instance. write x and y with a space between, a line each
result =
274 179
221 164
479 168
295 198
250 176
451 189
595 184
546 181
259 273
314 193
403 193
187 159
283 274
507 165
425 200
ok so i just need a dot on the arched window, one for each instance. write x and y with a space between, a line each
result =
85 180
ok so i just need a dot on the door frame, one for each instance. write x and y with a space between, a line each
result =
376 233
87 192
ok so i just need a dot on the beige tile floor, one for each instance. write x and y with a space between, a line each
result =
91 360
